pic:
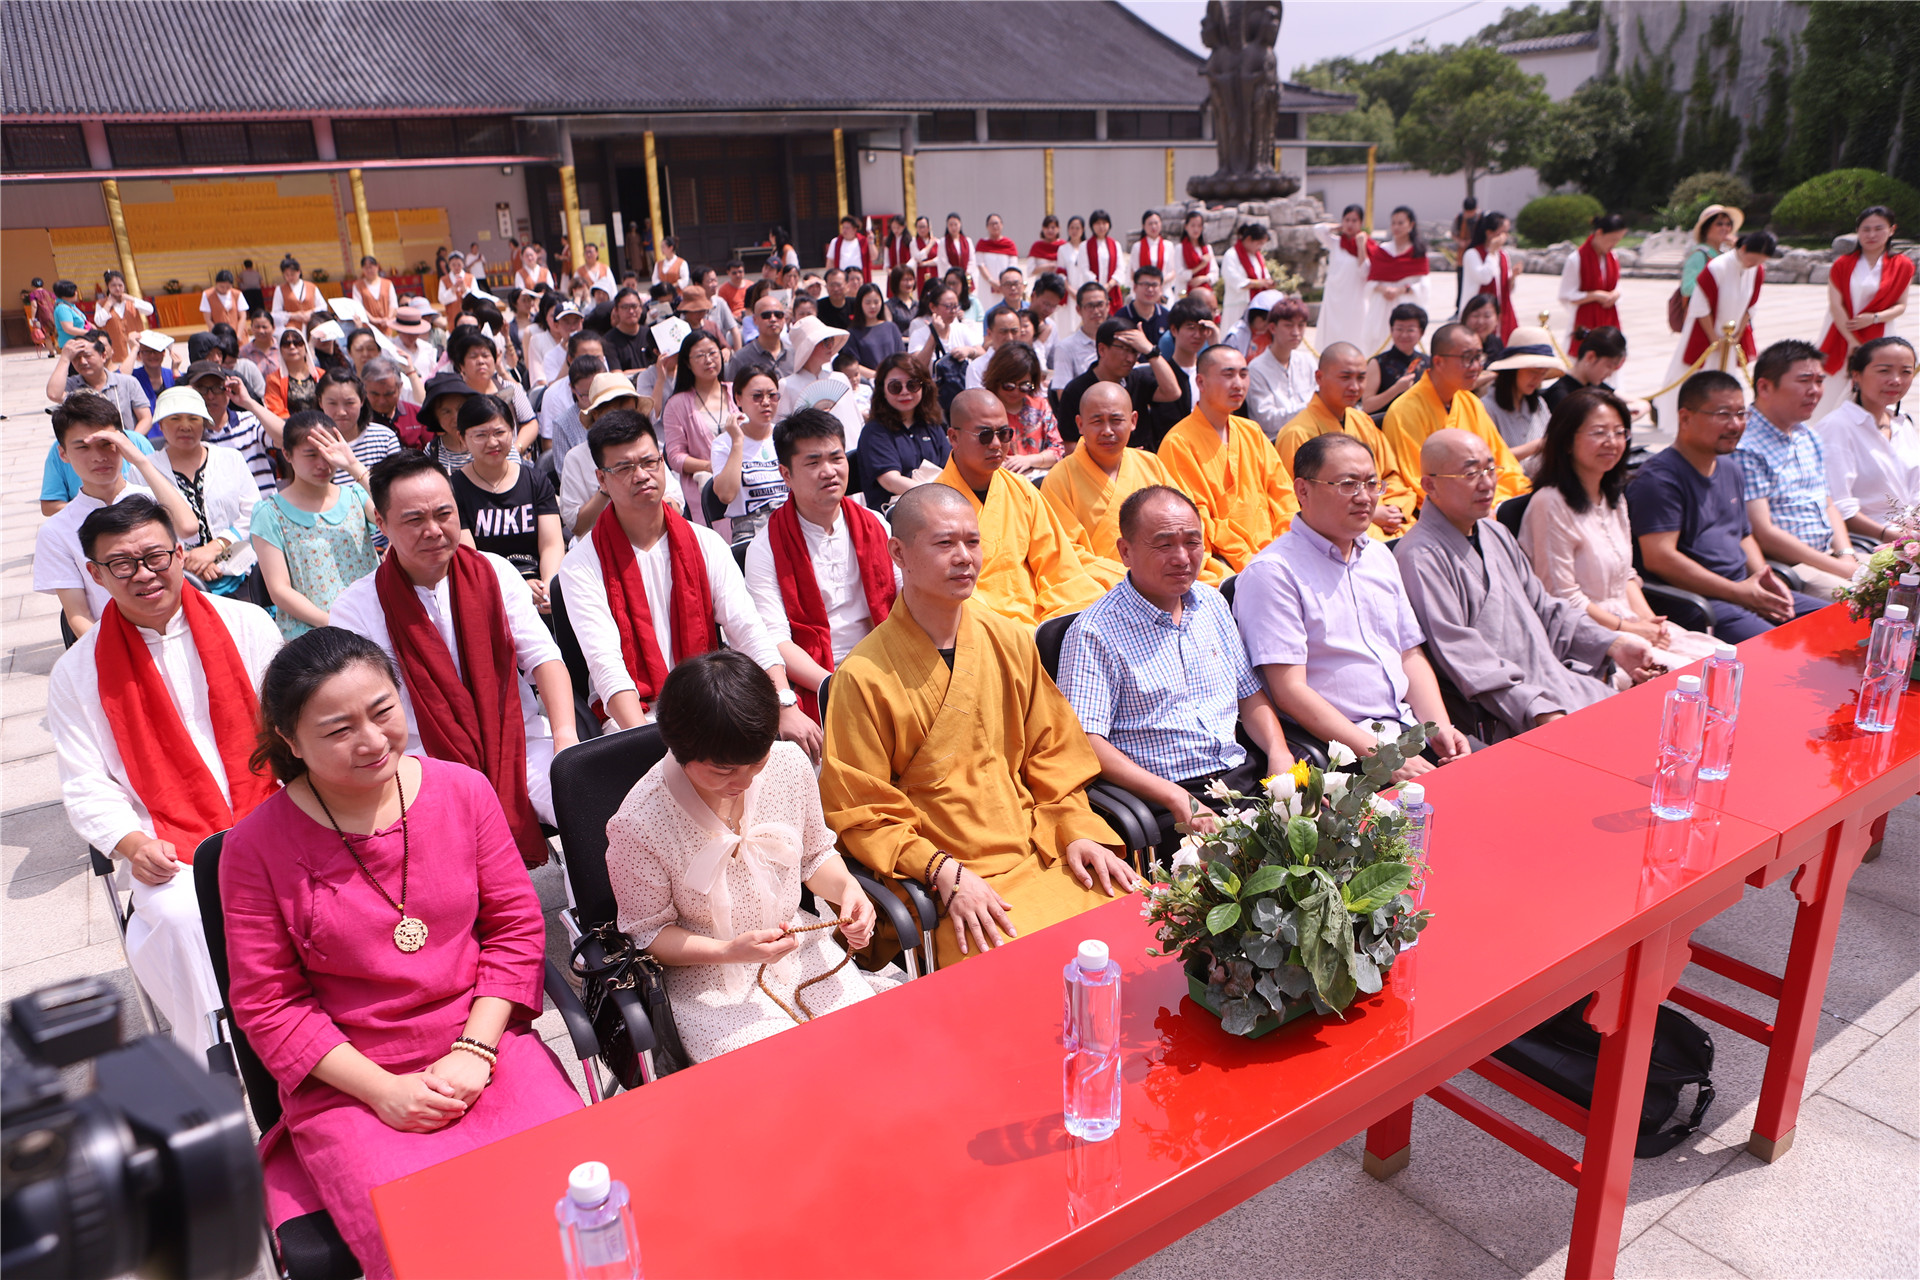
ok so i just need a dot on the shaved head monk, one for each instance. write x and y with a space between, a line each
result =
953 760
1226 464
1443 399
1029 568
1088 487
1335 406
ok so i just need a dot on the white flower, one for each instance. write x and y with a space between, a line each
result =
1185 857
1339 755
1337 784
1280 786
1219 790
1382 807
1860 575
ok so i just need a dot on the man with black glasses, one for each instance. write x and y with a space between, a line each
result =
1444 399
768 350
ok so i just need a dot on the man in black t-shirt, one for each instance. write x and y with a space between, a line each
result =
1118 345
837 307
628 345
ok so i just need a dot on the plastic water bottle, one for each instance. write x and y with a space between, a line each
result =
1092 1033
1906 594
598 1238
1682 730
1419 815
1720 678
1889 659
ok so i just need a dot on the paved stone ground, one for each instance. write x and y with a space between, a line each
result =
1844 1203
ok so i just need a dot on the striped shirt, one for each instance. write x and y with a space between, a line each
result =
244 434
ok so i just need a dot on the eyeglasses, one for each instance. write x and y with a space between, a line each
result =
124 567
1350 487
1723 417
763 397
1604 435
622 470
1024 388
1473 475
1471 359
898 388
770 315
989 434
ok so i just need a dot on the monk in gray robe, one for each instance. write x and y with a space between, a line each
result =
1491 627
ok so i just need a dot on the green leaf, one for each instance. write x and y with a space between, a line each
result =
1238 1017
1224 880
1303 837
1266 915
1374 887
1366 974
1223 917
1265 880
1288 931
1262 950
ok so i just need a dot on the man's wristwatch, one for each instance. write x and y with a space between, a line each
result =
788 698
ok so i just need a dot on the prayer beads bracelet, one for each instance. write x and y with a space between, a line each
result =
940 858
469 1045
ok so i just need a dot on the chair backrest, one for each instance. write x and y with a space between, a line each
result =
740 554
569 643
67 636
549 466
1050 637
590 783
263 1091
1228 587
539 395
1510 512
821 695
710 505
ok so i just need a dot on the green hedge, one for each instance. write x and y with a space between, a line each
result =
1702 189
1829 204
1551 219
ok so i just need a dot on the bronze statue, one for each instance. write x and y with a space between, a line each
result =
1243 80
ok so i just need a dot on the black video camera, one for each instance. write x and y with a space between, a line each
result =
152 1172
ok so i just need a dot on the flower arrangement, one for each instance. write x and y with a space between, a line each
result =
1299 900
1866 595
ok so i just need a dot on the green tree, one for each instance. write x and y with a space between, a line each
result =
1595 140
1477 113
1532 23
1766 160
1853 89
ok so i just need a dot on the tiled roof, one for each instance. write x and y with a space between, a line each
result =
387 57
1553 44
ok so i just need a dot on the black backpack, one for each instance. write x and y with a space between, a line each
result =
1563 1053
949 375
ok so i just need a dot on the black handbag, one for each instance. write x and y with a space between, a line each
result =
625 967
1563 1053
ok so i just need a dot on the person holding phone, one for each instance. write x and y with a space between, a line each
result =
1396 369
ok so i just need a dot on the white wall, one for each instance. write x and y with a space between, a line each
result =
1435 197
1125 179
468 194
54 204
1565 69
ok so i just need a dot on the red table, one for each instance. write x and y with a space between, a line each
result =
1799 768
920 1133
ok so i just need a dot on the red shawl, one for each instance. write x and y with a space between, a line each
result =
475 720
1385 265
1152 253
899 251
1501 287
800 590
1698 340
1197 260
959 253
1045 250
835 248
1597 275
1254 264
1896 273
163 765
999 244
1093 247
692 625
928 268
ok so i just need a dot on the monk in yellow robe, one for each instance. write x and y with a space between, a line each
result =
1030 570
1444 399
1087 488
1336 407
1226 464
953 760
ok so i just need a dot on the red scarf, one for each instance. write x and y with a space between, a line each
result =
959 253
800 590
899 251
1254 264
163 765
1094 272
1044 250
928 268
1153 253
1197 260
1709 285
1000 245
837 247
1896 273
1386 265
692 625
1501 287
1597 275
475 721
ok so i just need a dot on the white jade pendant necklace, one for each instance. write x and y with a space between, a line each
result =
411 933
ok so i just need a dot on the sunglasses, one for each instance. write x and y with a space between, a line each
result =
770 315
897 388
989 434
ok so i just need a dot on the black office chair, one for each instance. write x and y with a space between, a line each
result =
549 465
67 635
1510 512
310 1247
585 723
1684 609
1789 576
539 394
740 554
710 504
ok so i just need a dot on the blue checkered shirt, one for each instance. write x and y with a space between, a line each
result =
1166 694
1789 470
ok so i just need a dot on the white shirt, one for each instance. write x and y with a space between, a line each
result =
1477 271
837 571
229 493
58 562
761 486
358 608
592 618
977 370
539 344
108 310
101 804
1276 392
961 333
1073 354
844 254
1570 290
281 305
1866 472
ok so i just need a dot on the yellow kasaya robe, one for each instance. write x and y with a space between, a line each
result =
1245 496
986 762
1319 419
1418 413
1029 570
1088 504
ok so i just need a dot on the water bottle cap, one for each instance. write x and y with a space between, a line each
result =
1689 684
1093 955
589 1183
1726 652
1910 579
1897 612
1412 793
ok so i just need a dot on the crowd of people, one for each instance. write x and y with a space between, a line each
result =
333 582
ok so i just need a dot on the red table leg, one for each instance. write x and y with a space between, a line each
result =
1623 1013
1389 1144
1821 886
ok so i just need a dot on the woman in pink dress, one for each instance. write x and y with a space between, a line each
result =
391 999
